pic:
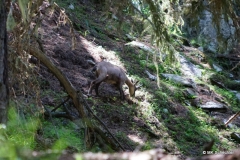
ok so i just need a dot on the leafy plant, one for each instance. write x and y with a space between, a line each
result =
63 136
18 136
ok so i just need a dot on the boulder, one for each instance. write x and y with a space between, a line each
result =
213 106
188 68
179 79
235 136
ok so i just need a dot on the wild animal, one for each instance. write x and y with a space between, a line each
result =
112 74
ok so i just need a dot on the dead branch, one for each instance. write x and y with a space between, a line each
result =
58 115
53 110
235 66
232 118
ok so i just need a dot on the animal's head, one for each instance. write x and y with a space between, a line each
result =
133 89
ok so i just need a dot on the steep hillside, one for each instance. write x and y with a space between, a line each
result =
163 114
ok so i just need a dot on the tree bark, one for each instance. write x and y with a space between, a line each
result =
3 64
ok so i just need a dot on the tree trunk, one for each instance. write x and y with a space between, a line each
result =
3 64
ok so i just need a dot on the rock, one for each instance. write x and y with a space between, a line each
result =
213 106
238 96
218 122
219 39
189 93
233 126
179 79
130 37
200 49
196 102
188 68
150 76
235 136
230 75
217 68
71 6
141 46
165 110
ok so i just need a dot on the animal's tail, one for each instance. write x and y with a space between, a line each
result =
91 62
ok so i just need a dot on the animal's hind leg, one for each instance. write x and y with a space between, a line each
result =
96 88
95 84
91 88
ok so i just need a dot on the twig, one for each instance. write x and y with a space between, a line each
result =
235 66
53 110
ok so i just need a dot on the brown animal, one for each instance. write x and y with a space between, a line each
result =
112 74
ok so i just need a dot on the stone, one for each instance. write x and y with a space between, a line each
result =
188 68
150 76
178 79
217 68
189 93
238 96
213 106
219 39
235 136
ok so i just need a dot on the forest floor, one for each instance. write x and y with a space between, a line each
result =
135 124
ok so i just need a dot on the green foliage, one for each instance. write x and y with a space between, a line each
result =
147 146
10 20
63 136
23 4
229 97
18 139
187 131
221 78
195 43
18 136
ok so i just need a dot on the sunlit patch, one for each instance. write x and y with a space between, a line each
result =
136 139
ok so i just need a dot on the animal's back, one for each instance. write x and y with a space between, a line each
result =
114 73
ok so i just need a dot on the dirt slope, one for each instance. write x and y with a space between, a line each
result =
120 116
57 42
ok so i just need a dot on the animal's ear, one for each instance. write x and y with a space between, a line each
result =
137 87
136 83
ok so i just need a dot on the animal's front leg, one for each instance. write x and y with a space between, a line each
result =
96 88
121 92
96 84
91 88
